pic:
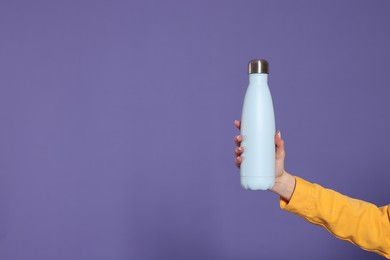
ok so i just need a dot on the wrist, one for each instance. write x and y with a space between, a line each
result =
284 185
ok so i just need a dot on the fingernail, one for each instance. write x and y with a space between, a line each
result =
279 134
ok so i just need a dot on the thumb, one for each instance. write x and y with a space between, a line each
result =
279 143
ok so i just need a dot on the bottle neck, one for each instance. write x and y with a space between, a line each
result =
258 78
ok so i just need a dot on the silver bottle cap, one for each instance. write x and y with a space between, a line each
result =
258 66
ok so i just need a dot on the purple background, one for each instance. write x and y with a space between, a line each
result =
116 134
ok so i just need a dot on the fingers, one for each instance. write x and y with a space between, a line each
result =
238 140
237 123
238 151
280 153
238 161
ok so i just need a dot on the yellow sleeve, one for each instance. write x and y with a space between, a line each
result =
355 221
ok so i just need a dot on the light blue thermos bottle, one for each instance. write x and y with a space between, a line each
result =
257 170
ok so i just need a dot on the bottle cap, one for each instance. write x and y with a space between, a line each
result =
258 66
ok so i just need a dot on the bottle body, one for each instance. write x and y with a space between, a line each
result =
257 170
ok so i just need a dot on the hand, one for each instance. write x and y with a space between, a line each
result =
280 154
284 182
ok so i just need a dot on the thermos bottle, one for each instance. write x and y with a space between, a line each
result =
257 170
